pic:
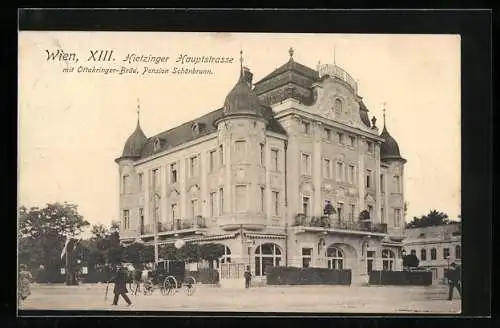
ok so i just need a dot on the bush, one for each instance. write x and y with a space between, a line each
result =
307 276
408 278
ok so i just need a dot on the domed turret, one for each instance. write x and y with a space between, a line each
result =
389 150
135 142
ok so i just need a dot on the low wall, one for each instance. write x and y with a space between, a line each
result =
414 278
307 276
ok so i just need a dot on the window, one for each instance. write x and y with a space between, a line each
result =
338 106
340 138
352 141
335 258
266 255
339 172
397 184
388 258
305 127
352 211
221 201
382 215
306 205
241 198
274 159
262 200
212 204
382 185
327 134
173 212
276 205
370 255
240 149
446 253
306 164
221 154
340 210
141 220
156 179
458 252
433 254
194 208
368 178
423 254
352 174
413 252
125 184
326 168
225 258
306 257
173 173
193 166
262 152
126 219
139 178
370 210
369 145
397 217
211 159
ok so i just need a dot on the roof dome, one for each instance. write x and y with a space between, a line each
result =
389 148
133 145
242 99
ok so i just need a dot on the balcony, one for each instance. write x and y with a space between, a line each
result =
176 225
344 224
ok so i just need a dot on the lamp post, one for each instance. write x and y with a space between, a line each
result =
155 227
448 272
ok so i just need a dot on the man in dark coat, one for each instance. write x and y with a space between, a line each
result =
120 280
248 277
454 280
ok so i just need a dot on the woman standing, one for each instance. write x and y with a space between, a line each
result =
25 279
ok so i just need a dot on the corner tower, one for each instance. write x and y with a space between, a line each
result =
241 140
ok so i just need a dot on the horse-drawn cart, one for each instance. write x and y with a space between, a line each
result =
168 277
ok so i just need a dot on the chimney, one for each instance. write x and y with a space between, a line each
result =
247 76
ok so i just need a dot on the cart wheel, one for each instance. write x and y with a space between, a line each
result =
169 285
188 285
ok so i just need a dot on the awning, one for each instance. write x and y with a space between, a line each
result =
265 235
196 239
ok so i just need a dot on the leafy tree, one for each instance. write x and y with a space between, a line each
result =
43 232
105 248
410 261
433 218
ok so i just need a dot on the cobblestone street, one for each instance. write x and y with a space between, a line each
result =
324 299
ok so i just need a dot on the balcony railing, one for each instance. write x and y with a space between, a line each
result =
343 224
179 224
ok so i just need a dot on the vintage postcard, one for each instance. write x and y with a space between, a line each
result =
239 172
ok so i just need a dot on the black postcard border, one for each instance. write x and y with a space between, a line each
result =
474 26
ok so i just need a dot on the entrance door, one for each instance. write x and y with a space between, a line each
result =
369 261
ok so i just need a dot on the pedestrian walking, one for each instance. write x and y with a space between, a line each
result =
248 277
454 280
120 289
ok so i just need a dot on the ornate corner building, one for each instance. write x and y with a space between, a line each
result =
256 174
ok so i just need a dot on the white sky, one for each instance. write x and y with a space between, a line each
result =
72 126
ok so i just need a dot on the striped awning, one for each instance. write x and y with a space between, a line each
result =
197 239
265 235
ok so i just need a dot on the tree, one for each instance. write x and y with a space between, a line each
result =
433 218
43 231
105 247
410 261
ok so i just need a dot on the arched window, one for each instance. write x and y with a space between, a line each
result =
458 252
265 255
413 252
388 258
338 106
423 254
226 257
433 254
335 258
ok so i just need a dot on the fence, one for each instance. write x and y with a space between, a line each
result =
415 278
307 276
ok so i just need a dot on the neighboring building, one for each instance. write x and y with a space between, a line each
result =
436 247
255 175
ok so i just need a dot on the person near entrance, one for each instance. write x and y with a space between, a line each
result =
454 280
248 277
120 280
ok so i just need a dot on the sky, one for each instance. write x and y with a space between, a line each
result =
71 126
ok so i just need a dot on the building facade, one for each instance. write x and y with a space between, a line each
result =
436 247
255 175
